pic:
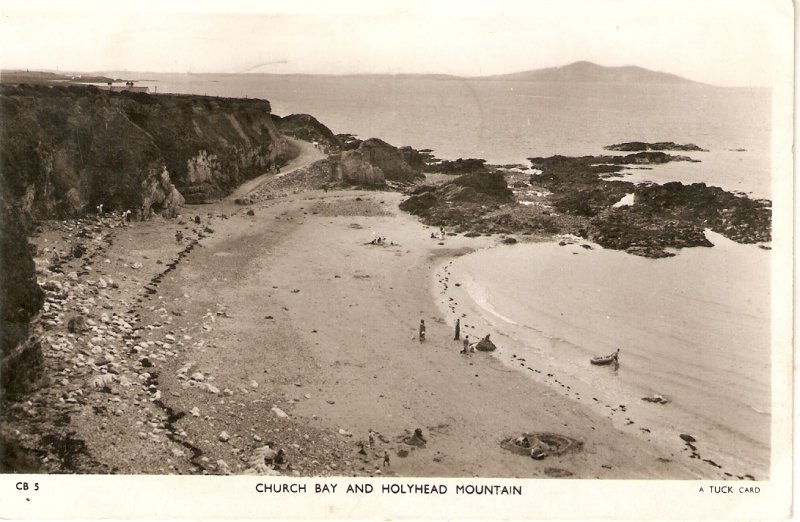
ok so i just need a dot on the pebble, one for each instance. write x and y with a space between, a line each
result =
224 437
223 467
210 388
279 413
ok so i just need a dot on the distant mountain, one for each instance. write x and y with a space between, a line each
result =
588 72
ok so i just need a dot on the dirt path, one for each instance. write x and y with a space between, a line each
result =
308 155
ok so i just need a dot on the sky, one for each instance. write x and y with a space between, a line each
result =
722 42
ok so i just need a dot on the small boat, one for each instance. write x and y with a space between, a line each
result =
607 359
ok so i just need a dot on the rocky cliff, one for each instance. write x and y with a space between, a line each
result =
20 359
66 150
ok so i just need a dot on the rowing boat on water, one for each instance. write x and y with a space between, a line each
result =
607 359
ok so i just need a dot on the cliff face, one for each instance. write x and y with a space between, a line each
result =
20 361
66 150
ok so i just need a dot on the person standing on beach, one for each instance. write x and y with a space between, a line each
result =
385 458
458 329
422 330
466 344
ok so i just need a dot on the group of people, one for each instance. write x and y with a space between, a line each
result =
381 241
468 347
125 217
371 444
441 234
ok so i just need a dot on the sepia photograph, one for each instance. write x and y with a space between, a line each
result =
420 259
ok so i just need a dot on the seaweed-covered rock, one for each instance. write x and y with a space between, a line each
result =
633 146
459 166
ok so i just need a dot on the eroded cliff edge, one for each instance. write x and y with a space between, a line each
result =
66 150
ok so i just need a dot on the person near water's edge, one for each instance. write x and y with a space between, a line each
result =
458 330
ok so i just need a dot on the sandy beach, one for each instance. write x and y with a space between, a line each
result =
278 324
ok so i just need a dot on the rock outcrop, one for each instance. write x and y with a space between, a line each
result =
672 215
459 166
634 146
355 168
307 128
570 195
373 162
462 201
397 164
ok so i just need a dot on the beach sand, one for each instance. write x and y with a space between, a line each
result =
308 334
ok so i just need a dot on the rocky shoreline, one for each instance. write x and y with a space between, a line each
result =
570 195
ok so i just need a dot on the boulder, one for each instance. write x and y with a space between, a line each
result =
485 345
354 168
